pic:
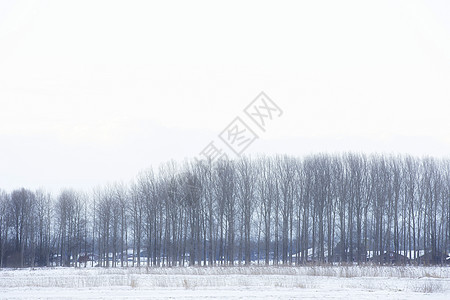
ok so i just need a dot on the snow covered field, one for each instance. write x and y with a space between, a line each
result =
228 282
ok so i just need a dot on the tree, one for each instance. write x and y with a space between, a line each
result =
4 225
21 212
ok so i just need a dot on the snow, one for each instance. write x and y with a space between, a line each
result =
408 254
228 282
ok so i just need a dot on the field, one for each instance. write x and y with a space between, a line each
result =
368 282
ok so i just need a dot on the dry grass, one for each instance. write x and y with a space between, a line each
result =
133 282
429 287
433 278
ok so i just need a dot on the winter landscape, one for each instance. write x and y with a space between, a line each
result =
206 149
314 282
344 226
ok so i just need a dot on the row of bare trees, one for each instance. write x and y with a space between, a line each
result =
271 210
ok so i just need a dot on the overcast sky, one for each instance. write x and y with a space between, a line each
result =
95 91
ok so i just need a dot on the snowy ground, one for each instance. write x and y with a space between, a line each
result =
228 282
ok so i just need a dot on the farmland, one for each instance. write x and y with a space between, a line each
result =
352 282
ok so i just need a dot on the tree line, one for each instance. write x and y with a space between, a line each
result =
346 208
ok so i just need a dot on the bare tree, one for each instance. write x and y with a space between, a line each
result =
4 224
322 208
245 194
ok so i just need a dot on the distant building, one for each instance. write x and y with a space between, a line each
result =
391 258
437 258
350 256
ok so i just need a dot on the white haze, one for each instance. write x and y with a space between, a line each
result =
95 91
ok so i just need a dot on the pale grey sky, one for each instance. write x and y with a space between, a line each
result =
95 91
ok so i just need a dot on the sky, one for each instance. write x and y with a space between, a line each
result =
93 92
